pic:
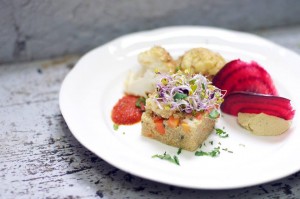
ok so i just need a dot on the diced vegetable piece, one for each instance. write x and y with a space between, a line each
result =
199 115
173 122
185 127
159 126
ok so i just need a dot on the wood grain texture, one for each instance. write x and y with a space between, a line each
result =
39 157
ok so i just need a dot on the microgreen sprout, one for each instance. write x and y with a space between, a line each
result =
187 93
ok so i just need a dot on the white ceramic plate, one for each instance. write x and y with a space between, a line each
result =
92 88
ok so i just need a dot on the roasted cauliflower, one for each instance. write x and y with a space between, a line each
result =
201 60
157 58
143 81
139 84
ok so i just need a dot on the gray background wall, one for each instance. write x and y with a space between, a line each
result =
38 29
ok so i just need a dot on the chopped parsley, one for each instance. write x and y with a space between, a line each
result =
221 133
179 151
168 157
140 102
215 152
116 127
225 149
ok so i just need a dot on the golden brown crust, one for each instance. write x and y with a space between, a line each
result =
157 58
201 60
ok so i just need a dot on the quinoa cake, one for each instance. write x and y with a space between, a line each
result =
188 135
183 110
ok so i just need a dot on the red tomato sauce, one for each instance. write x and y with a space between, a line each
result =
125 111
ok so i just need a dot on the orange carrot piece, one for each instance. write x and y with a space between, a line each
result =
173 122
156 118
159 125
185 127
199 116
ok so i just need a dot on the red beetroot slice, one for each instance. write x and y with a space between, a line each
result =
238 75
247 102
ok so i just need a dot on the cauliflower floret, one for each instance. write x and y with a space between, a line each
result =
140 84
143 81
157 58
201 60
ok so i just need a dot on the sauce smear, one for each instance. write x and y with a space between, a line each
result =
125 111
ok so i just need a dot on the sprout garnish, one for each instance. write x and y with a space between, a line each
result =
188 93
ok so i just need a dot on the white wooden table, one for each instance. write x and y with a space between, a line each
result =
39 157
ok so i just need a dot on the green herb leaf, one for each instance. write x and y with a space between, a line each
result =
168 157
214 114
200 153
176 160
179 96
140 102
179 151
215 152
116 127
221 133
226 149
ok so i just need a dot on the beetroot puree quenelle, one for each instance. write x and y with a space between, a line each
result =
126 112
